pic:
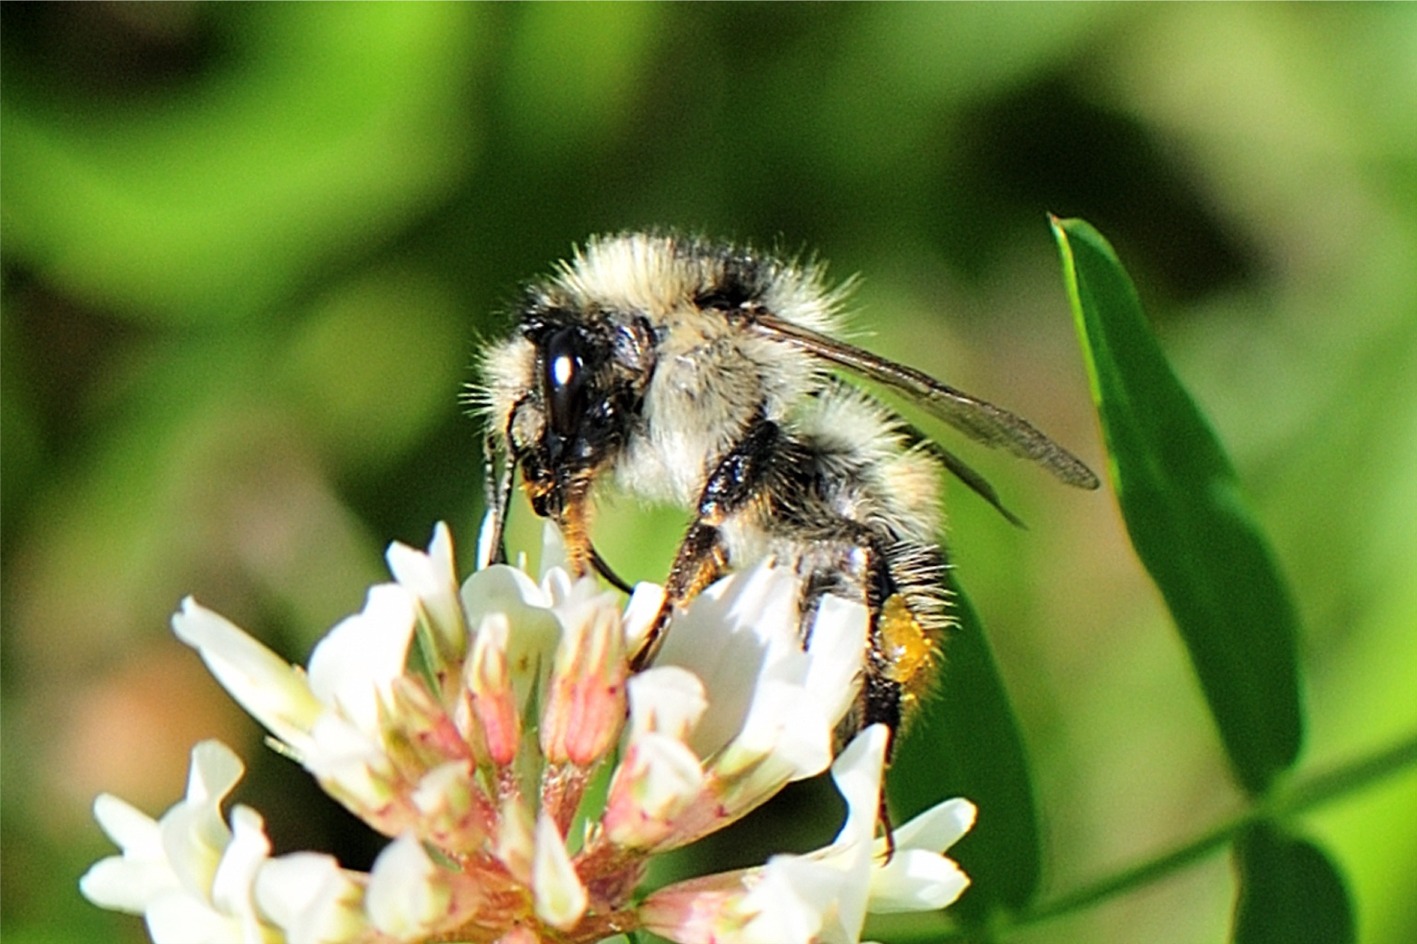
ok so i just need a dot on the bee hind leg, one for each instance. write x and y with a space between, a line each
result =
881 698
880 703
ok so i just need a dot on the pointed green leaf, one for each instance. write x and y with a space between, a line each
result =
1187 519
1289 891
967 743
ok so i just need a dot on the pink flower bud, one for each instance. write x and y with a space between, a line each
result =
585 707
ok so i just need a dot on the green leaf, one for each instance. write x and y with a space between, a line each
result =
967 743
1289 891
1187 519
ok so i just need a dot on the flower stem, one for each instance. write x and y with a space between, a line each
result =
1320 789
1333 784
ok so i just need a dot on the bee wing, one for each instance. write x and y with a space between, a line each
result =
978 419
972 480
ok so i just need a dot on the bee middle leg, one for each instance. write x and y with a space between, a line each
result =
739 478
700 561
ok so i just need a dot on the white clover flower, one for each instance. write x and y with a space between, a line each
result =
199 881
478 761
824 896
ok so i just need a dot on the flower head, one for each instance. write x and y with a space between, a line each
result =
478 761
199 880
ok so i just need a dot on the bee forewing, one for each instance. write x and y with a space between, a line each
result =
978 419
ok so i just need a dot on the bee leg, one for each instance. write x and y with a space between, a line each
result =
740 476
700 561
881 696
883 816
880 704
607 572
497 472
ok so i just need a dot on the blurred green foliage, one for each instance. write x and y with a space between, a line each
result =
249 250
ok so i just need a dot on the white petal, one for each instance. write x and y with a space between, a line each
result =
243 856
666 699
640 613
769 697
559 897
405 896
432 579
132 830
857 773
192 857
786 727
182 919
350 763
819 897
353 666
557 585
791 903
309 897
268 687
658 779
837 647
214 772
194 832
179 855
485 537
553 550
915 880
937 828
727 655
824 893
123 884
919 877
501 589
672 775
505 594
765 601
802 696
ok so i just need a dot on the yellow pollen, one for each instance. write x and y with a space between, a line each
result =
906 645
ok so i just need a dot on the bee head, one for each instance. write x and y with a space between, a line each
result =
582 387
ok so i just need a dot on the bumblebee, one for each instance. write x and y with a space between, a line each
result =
709 376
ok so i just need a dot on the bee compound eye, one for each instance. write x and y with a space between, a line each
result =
565 381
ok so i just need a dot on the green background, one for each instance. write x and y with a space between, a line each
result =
249 250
